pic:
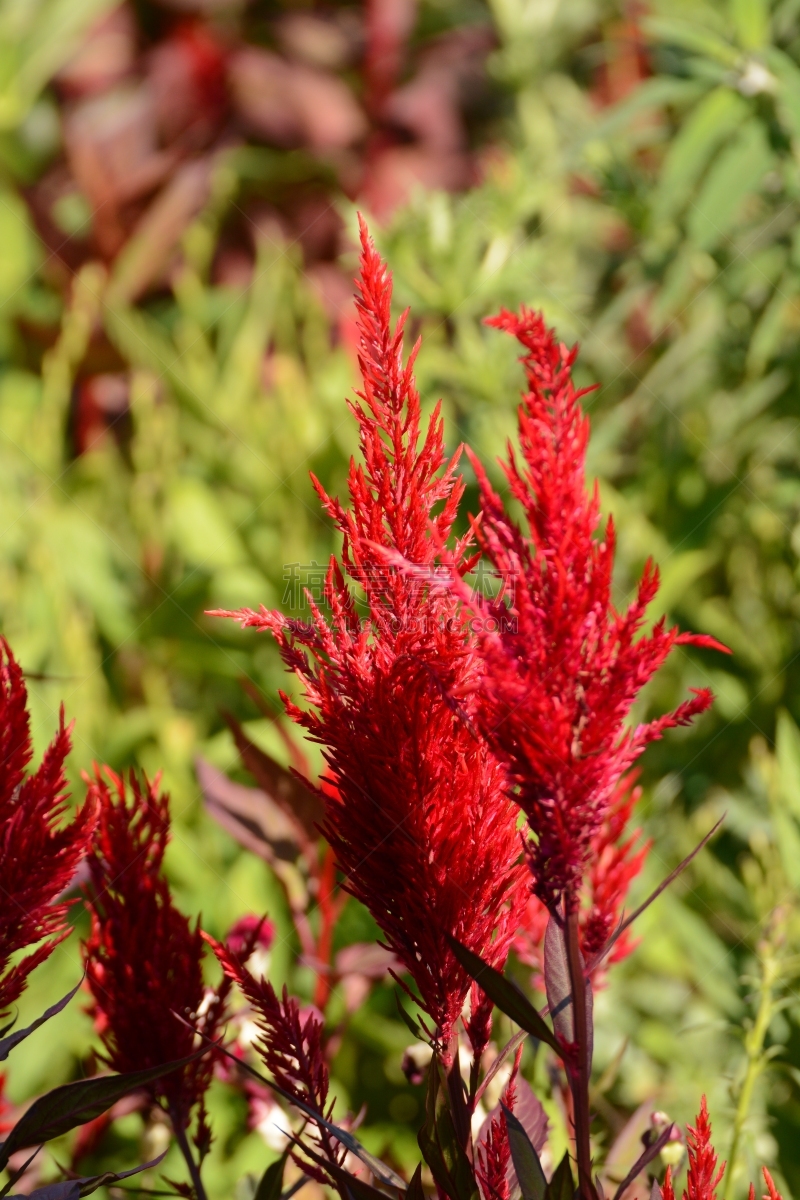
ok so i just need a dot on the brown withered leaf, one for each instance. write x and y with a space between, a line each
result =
301 805
261 91
250 815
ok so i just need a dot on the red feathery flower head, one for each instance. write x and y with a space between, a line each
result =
37 857
143 958
416 811
291 1048
562 666
703 1176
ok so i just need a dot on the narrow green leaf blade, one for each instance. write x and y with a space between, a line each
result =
530 1175
76 1103
7 1044
561 1186
505 994
271 1183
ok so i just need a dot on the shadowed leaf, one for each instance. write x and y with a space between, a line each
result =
8 1043
530 1175
76 1103
505 994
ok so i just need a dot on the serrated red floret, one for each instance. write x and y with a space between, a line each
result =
562 666
143 957
39 854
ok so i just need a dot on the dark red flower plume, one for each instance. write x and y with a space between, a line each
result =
143 958
563 668
38 854
291 1047
416 810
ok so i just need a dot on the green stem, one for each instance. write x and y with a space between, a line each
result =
754 1049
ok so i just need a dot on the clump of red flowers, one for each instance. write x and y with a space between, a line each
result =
39 854
144 958
416 809
562 666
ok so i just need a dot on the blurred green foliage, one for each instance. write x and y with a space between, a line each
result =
641 183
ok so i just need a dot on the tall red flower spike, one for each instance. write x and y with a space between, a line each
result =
416 810
38 854
563 668
703 1177
143 958
292 1049
493 1158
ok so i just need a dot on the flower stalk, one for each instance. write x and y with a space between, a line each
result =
579 1075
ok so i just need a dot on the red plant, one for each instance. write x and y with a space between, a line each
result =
415 803
563 668
291 1047
143 958
38 855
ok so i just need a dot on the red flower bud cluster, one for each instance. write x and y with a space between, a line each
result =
292 1049
562 666
39 854
416 809
143 958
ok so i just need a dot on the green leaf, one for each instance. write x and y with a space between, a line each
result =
414 1190
751 20
711 123
439 1143
530 1175
561 1186
271 1183
505 994
787 752
409 1021
736 173
76 1103
7 1044
788 98
691 36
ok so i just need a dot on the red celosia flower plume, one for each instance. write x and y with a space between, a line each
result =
563 668
703 1176
416 810
291 1047
143 958
38 854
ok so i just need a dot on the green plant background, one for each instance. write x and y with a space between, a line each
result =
661 232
